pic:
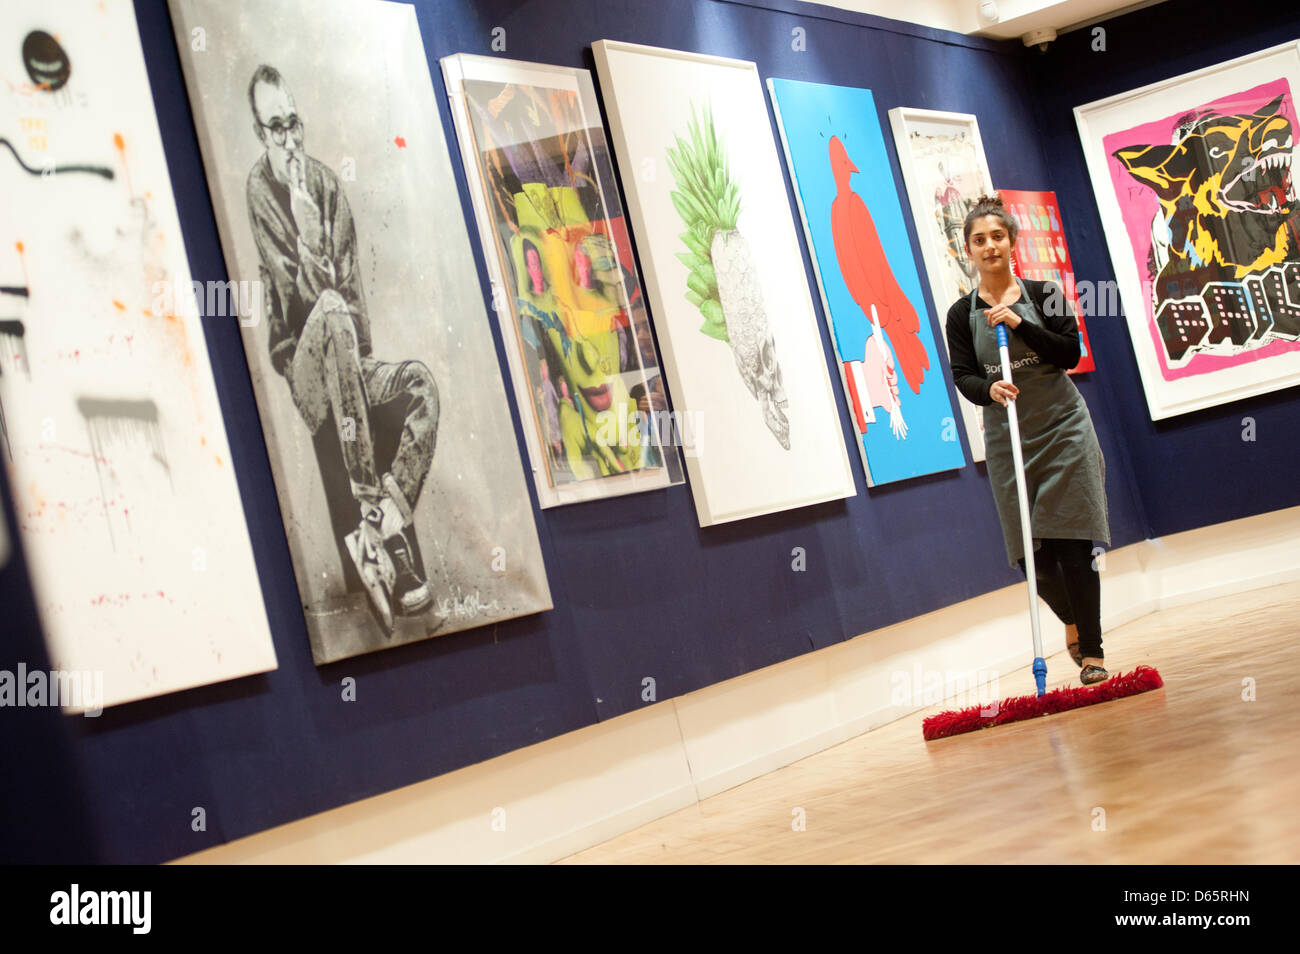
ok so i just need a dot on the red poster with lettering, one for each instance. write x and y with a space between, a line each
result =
1041 253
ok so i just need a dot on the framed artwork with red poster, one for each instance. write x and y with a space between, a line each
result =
1042 254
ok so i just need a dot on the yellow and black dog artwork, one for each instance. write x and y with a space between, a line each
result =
1224 264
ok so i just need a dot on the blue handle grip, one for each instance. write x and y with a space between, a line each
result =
1002 335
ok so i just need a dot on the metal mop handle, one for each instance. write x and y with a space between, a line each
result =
1022 495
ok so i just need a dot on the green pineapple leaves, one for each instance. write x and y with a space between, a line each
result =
715 324
708 201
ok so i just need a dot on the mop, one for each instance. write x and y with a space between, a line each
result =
1141 679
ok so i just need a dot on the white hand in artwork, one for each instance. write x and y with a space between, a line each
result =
897 424
876 383
889 395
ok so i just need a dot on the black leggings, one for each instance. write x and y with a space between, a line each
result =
1068 582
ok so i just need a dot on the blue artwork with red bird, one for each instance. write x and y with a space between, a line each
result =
871 291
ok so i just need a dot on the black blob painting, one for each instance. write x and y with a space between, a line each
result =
124 491
45 60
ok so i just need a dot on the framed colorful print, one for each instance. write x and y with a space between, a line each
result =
128 512
883 333
372 360
565 287
1041 254
1194 184
945 171
725 277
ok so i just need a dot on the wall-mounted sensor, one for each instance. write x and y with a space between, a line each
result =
1039 38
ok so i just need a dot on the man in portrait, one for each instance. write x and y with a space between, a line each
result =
374 423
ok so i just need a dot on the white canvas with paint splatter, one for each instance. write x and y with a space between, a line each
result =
126 500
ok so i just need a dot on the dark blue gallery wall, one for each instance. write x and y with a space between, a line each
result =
1192 470
892 552
640 590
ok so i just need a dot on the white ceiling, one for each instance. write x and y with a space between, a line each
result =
1015 17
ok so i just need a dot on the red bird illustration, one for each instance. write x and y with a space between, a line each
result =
867 274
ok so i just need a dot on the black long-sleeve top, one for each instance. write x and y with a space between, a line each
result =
1057 341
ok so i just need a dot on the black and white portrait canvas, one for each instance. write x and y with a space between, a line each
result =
366 333
128 512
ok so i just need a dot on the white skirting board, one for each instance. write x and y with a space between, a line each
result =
552 799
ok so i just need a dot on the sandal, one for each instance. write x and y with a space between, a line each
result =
1093 674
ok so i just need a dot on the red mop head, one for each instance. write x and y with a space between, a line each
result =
1141 679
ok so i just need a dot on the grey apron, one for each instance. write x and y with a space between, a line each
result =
1065 472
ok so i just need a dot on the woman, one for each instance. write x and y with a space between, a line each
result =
1065 473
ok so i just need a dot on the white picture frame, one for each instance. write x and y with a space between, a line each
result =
1170 381
735 457
562 103
921 138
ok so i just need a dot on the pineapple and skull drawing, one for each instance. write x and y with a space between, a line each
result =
723 280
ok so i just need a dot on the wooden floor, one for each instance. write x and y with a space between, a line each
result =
1189 773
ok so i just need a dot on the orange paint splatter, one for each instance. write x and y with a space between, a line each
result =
120 143
176 325
217 458
19 246
118 305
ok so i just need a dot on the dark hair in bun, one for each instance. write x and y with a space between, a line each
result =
991 205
